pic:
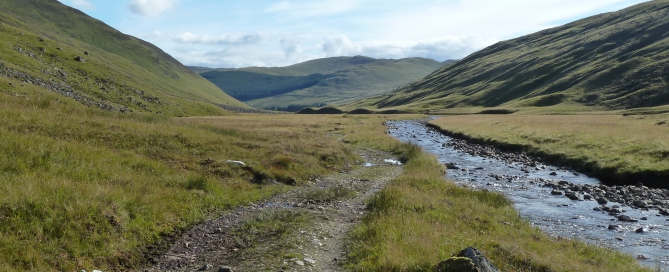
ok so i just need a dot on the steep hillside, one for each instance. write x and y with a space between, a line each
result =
318 82
610 61
62 50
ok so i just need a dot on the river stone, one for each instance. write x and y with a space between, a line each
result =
556 192
640 203
451 166
597 209
479 261
626 218
614 227
602 201
639 230
572 196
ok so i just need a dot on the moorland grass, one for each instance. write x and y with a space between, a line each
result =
621 149
85 189
421 219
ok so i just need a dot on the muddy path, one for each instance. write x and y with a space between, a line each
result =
304 229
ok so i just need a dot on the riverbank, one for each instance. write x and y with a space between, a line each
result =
619 150
420 218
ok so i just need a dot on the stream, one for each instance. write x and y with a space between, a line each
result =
529 188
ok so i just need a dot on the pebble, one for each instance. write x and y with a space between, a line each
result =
224 269
206 267
300 263
310 261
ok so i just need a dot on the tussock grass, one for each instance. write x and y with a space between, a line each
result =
87 189
616 148
421 219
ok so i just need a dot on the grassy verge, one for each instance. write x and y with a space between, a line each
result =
618 149
86 189
420 219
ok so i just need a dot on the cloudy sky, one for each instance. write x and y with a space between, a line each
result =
230 33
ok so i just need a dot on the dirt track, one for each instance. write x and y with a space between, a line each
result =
301 230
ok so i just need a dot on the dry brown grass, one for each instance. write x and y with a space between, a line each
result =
612 146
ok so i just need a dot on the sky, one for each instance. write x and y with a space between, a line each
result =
242 33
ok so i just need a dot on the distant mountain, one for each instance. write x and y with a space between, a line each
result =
318 82
60 49
616 60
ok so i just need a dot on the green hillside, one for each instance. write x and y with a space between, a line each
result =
41 40
610 61
318 82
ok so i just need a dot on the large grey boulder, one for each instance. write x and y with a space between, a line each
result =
468 260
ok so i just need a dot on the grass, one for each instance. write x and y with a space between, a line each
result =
421 219
84 188
619 149
89 189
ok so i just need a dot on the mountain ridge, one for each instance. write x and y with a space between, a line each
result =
318 82
119 71
609 61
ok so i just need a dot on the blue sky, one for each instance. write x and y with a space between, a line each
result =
241 33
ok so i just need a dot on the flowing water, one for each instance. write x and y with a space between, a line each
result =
555 215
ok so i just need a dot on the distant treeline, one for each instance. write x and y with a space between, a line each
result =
246 86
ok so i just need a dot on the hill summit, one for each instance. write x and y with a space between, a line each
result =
318 82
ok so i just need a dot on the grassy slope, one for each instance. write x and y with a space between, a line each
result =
329 80
610 61
615 148
86 188
117 62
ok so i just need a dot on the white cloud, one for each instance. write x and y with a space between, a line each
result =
292 47
150 8
225 39
83 4
340 45
310 8
441 48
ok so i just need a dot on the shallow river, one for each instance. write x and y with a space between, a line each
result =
555 215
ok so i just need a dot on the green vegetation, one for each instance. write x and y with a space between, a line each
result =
318 82
86 188
41 39
621 149
610 61
420 219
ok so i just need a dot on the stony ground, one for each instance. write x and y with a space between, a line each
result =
304 229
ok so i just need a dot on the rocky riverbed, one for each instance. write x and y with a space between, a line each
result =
560 201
